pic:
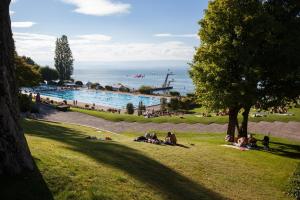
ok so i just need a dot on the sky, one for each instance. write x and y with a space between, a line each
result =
148 32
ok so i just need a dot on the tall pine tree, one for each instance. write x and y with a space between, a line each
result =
63 58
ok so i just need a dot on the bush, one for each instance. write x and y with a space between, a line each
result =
294 184
145 89
187 103
35 108
174 93
100 87
174 104
141 108
24 103
190 95
60 83
51 83
109 88
94 85
124 89
130 109
79 83
163 104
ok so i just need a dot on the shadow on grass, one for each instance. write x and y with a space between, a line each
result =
29 185
158 176
286 150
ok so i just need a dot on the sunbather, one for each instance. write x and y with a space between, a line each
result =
171 139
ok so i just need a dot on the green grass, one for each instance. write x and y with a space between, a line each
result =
72 167
189 118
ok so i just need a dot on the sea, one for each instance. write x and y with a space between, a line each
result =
136 77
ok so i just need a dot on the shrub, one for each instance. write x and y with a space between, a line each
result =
24 103
174 104
124 89
130 109
174 93
163 104
187 103
190 95
145 89
109 88
100 87
294 184
141 108
51 83
79 83
94 85
60 83
35 108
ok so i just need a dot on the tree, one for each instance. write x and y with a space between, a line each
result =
49 74
63 58
141 108
27 75
130 108
15 156
234 66
145 89
28 60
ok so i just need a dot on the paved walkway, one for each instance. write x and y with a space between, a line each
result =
289 130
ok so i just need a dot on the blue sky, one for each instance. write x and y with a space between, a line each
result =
102 31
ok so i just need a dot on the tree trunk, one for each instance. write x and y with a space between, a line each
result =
233 112
244 127
15 156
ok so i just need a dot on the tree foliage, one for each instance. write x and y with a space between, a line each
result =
49 74
130 109
63 58
235 66
28 75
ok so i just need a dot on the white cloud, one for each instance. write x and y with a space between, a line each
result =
176 35
100 49
13 1
99 7
11 12
38 46
22 24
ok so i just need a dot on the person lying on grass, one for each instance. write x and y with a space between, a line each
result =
152 138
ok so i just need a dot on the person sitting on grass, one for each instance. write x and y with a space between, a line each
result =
252 142
266 142
171 139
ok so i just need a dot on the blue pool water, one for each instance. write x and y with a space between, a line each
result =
109 99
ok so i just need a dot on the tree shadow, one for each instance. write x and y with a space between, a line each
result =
286 150
158 176
29 185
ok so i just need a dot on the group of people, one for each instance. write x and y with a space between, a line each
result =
170 139
249 142
158 113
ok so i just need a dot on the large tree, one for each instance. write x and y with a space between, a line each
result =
233 67
15 156
63 58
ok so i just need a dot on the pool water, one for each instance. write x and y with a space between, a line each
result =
103 98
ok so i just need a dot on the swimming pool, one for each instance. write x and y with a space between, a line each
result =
102 98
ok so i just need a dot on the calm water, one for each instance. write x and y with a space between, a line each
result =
109 99
153 77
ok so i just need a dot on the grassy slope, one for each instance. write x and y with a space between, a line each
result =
190 118
76 168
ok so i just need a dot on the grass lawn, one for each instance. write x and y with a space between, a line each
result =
189 118
72 167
